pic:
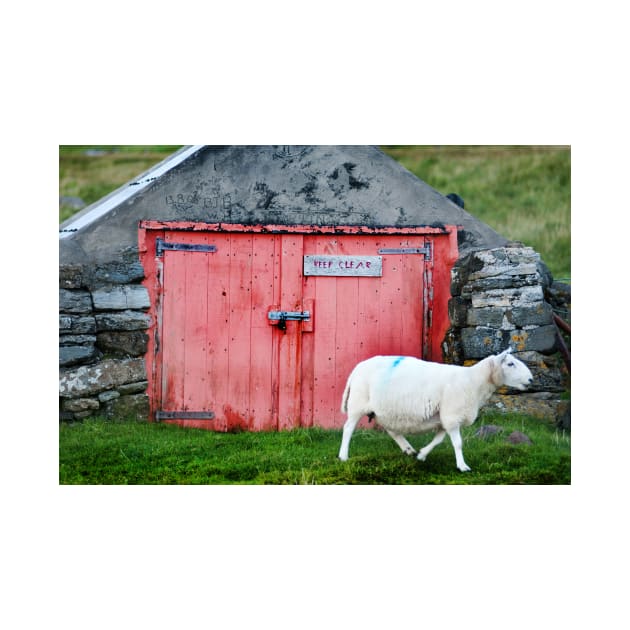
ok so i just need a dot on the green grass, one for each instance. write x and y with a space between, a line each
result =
91 177
523 192
101 452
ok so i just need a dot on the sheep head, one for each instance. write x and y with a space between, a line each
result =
508 370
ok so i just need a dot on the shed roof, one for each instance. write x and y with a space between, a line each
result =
321 185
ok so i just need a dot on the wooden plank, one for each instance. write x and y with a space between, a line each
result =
308 327
261 381
412 299
173 330
368 314
346 333
196 314
389 329
236 407
324 291
217 330
290 341
309 336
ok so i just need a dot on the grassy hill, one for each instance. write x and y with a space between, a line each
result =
523 192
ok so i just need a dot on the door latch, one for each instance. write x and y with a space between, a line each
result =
288 315
279 318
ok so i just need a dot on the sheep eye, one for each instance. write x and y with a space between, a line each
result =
511 364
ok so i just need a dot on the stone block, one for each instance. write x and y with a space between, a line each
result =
491 317
546 408
132 407
71 276
77 340
116 272
108 395
80 404
463 267
480 342
121 297
123 320
122 344
134 388
541 339
499 282
503 270
77 324
74 301
457 311
548 371
536 314
86 381
508 297
71 355
516 437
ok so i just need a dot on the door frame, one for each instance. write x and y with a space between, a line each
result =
436 278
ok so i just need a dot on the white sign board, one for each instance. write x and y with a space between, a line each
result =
317 265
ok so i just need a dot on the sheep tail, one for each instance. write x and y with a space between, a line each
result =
344 398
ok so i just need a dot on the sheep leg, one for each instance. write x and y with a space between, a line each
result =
439 436
456 440
348 430
405 447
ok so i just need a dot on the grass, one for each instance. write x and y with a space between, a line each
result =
523 192
104 452
91 172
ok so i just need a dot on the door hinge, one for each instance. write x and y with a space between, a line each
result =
162 245
426 250
184 415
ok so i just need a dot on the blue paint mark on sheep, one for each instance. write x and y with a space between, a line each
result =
396 362
393 366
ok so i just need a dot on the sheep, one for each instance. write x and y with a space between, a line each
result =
408 395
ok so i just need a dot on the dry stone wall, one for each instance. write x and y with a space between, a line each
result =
102 341
499 299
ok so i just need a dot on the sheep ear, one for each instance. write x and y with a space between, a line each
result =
504 354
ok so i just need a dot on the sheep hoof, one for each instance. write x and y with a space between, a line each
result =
464 468
421 457
410 451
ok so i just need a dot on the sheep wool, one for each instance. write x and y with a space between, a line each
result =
409 395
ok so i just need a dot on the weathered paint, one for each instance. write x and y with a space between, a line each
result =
213 347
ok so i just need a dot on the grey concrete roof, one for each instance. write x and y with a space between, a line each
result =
322 185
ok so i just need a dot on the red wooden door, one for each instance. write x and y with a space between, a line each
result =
224 366
356 316
220 362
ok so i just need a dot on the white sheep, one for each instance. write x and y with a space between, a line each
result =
408 395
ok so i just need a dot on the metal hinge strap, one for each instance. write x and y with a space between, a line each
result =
162 245
184 415
426 250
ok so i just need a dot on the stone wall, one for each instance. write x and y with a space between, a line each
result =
102 341
500 299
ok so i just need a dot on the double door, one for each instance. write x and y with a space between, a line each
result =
259 331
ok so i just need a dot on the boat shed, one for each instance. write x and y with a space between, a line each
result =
251 279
